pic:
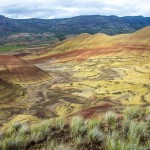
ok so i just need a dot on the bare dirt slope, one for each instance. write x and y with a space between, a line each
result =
16 70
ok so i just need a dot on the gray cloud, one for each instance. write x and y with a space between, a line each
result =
64 8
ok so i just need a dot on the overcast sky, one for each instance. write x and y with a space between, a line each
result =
68 8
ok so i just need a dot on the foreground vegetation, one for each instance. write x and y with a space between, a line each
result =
111 132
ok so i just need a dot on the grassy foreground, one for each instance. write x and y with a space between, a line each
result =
127 131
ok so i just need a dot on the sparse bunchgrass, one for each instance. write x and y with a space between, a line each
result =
13 128
125 125
79 140
76 125
13 143
110 118
36 137
59 123
9 131
7 144
54 145
40 131
132 112
17 125
92 123
134 146
132 134
114 144
148 143
63 147
24 129
136 130
1 144
20 140
94 134
50 144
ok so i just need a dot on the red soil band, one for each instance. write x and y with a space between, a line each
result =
83 54
89 112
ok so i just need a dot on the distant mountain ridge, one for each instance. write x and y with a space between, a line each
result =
61 28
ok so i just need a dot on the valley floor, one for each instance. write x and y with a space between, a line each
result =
100 82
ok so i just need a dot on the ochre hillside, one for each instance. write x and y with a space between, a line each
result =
139 38
9 91
16 70
92 45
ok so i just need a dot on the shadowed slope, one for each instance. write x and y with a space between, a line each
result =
16 70
8 92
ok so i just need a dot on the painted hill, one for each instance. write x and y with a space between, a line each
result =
86 45
37 31
9 92
15 70
99 40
